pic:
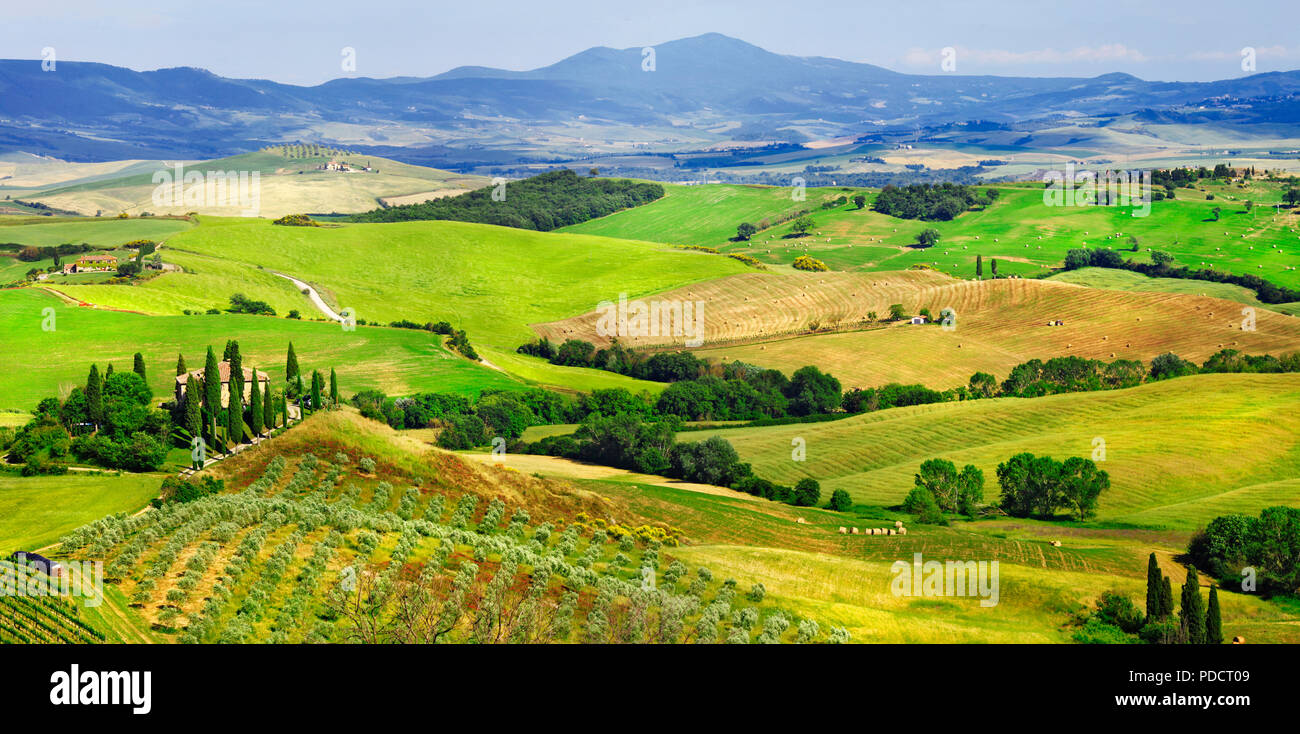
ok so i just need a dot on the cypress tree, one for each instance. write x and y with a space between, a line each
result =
979 266
180 365
212 385
225 355
108 372
1193 610
993 267
255 412
1166 597
297 388
235 419
1153 588
193 414
334 388
138 366
315 390
268 408
95 396
284 409
290 365
1213 623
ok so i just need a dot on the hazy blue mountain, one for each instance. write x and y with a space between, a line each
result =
90 111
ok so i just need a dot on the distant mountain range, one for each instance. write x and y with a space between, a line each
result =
703 89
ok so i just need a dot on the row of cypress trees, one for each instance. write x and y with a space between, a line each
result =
1198 623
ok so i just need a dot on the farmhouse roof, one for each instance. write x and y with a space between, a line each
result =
224 368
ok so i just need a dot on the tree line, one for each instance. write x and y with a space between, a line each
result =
1162 266
544 202
932 202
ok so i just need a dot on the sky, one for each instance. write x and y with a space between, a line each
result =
303 42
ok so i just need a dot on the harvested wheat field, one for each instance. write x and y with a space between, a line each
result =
766 319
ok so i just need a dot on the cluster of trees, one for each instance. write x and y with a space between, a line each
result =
1117 620
239 303
296 220
940 487
660 367
1269 544
648 446
457 340
30 254
1040 485
935 202
108 422
544 202
1162 266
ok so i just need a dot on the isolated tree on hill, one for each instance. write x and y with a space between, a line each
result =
255 410
95 396
840 501
180 365
745 230
138 366
268 408
991 195
802 225
929 237
807 492
211 384
1192 615
1216 211
979 264
859 201
193 407
334 388
290 365
1213 623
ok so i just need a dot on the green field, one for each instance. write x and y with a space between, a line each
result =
1178 452
490 281
1025 235
700 215
38 363
35 511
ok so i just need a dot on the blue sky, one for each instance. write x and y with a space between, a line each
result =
301 42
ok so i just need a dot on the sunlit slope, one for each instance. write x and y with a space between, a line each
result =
1174 449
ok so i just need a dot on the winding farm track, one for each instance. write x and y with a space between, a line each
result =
315 298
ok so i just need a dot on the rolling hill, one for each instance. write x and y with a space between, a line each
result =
288 183
1174 449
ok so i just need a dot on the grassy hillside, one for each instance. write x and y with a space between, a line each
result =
1174 449
288 185
35 511
299 525
768 318
38 364
700 215
1124 280
1025 235
491 281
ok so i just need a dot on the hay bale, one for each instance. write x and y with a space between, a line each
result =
1239 640
843 530
898 523
902 531
892 531
1056 544
855 531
